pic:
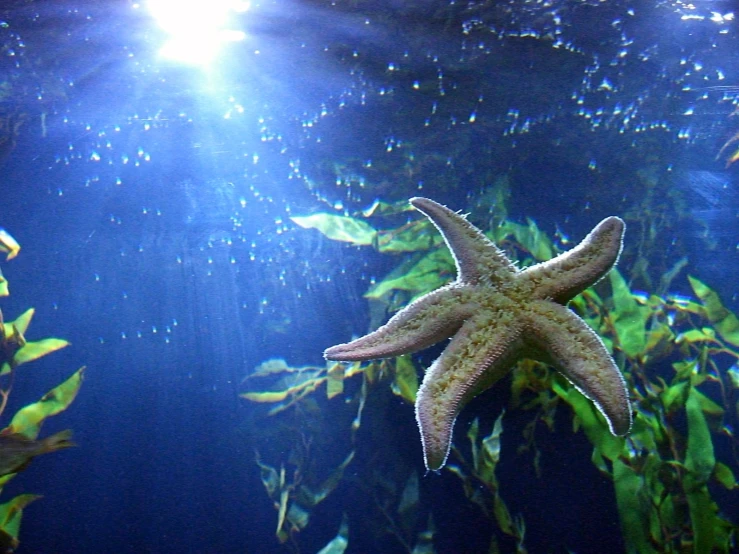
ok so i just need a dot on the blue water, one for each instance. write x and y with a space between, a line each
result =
152 199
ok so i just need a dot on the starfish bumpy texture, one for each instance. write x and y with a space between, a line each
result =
497 314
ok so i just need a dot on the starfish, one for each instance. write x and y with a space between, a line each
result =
497 314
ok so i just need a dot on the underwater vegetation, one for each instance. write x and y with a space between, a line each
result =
679 356
19 442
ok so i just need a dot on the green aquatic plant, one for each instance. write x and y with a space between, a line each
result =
663 472
481 485
299 431
679 356
299 482
18 440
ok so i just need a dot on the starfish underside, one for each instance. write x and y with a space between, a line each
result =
496 315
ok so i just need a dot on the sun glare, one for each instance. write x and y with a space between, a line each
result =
197 28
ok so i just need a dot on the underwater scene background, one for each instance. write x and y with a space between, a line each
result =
199 198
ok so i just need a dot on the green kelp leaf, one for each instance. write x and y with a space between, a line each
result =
413 237
724 475
28 420
381 208
297 383
725 322
684 369
335 382
503 515
273 366
675 396
266 396
633 508
472 433
529 236
666 280
536 242
31 350
489 454
4 480
298 516
409 498
312 497
339 227
705 334
12 511
21 323
659 340
270 477
734 376
405 380
486 459
8 245
417 276
703 515
3 286
629 317
656 474
699 456
724 535
647 432
709 406
591 420
34 350
282 511
339 543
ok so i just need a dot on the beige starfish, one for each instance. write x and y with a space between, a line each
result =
497 315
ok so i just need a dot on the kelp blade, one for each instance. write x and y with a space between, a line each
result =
339 227
28 420
11 513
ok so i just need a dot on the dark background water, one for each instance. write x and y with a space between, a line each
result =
152 201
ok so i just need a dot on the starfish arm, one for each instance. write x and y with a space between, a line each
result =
480 354
564 277
477 258
579 354
426 321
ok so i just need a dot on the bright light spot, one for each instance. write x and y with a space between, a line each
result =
197 28
717 17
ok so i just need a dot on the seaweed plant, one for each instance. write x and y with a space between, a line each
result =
680 357
18 440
